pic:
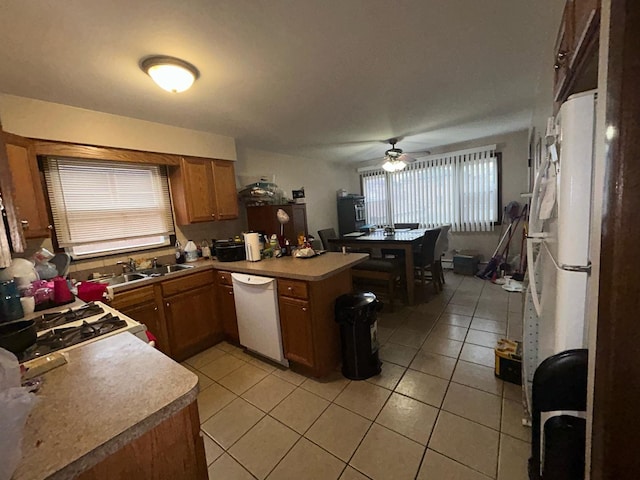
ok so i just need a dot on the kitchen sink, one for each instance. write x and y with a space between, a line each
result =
124 278
142 274
165 269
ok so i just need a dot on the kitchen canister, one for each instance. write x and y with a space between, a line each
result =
10 306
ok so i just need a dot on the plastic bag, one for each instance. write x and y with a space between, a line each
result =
15 405
46 270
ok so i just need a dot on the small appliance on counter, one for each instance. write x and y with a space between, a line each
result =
229 251
252 246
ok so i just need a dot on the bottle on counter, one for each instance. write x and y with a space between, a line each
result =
206 250
179 253
191 251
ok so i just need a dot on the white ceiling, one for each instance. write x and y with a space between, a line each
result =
328 79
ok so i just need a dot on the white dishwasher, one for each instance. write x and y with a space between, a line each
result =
256 300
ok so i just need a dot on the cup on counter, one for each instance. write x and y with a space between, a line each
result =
61 292
10 306
28 304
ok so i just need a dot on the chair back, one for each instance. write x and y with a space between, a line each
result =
325 234
442 243
427 249
411 226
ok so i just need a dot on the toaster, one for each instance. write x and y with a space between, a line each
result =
230 251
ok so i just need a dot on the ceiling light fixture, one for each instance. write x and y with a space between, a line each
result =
171 74
393 158
393 165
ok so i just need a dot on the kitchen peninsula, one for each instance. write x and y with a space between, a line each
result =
195 318
117 409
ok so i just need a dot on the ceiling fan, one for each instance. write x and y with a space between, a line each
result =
395 159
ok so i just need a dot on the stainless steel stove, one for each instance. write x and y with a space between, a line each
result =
71 328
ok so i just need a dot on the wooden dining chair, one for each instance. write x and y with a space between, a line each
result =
423 260
442 245
325 234
372 272
378 272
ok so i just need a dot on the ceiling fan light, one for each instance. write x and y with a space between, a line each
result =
393 165
171 74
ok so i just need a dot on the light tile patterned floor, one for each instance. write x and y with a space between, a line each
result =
436 411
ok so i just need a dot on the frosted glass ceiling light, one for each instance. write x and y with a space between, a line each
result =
171 74
394 165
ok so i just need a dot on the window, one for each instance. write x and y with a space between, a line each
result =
102 207
460 188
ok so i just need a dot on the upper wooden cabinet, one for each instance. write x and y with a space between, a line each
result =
576 49
203 190
30 205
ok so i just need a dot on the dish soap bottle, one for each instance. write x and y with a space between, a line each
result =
179 253
206 249
191 251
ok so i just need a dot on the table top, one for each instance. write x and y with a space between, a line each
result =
400 236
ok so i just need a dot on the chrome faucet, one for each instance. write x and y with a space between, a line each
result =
129 264
154 262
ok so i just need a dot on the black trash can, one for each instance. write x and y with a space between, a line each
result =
356 314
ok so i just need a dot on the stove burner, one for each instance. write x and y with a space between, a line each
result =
52 320
58 338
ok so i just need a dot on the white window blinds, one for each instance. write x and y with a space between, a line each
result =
460 188
101 206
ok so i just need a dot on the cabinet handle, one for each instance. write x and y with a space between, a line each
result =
230 293
50 227
25 224
213 215
168 304
290 289
304 309
561 57
155 309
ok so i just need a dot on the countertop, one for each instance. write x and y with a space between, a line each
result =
109 393
308 269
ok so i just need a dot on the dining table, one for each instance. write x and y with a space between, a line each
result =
400 239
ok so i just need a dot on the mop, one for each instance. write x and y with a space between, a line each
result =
496 261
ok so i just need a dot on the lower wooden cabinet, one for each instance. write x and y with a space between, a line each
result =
297 330
174 449
227 306
143 305
192 323
181 312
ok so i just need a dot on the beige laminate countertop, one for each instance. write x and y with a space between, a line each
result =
108 394
308 269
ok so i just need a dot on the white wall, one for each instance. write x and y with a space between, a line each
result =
320 181
53 121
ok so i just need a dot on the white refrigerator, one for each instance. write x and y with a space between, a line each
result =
558 238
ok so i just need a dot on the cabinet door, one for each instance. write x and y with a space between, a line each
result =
29 194
192 322
228 312
224 185
297 333
149 314
198 189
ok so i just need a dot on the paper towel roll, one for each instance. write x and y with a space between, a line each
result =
252 246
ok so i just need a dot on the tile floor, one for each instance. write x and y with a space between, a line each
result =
436 412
